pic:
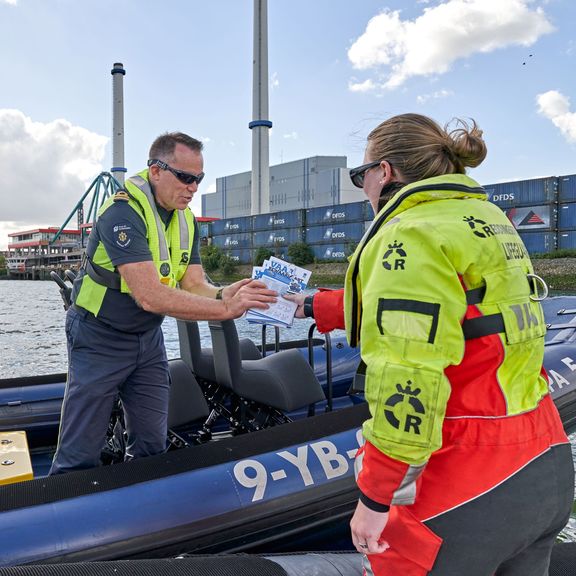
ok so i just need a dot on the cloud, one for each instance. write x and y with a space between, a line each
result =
274 82
291 135
399 49
556 107
46 168
366 86
11 2
423 98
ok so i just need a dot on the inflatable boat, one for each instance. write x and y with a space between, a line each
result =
301 564
261 448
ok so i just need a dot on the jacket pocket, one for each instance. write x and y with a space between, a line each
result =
412 544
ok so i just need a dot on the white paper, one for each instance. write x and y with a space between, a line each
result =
281 277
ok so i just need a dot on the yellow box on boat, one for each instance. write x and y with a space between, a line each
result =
15 464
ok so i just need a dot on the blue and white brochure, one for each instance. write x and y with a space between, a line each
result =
282 277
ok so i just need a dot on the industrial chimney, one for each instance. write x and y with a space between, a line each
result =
260 123
118 170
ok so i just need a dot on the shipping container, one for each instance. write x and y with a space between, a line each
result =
567 216
567 240
528 218
567 188
331 253
368 211
235 241
278 220
342 213
240 256
232 225
523 192
283 237
539 242
352 232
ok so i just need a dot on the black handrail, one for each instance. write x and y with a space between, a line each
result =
328 345
65 290
276 339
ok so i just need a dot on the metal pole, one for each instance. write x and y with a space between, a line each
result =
118 170
260 193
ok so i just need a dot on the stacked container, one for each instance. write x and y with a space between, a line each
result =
531 206
277 231
542 210
234 236
332 232
567 212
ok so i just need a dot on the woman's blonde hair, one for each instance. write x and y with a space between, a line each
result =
419 148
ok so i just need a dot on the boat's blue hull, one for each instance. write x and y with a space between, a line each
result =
263 490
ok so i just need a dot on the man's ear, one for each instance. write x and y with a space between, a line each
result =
153 172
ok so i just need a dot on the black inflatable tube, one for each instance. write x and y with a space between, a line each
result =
305 564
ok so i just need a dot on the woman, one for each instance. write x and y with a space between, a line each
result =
466 469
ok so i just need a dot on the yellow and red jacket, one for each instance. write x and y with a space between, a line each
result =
438 295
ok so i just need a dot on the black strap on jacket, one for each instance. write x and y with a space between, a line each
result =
102 276
483 325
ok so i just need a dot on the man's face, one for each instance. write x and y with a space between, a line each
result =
172 194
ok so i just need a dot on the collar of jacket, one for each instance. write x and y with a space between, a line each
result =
446 187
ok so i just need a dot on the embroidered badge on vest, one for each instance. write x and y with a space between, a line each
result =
121 196
412 422
395 249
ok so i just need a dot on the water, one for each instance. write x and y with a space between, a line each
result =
32 340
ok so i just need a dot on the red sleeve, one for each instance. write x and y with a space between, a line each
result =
328 308
382 478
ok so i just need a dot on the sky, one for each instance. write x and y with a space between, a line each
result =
337 68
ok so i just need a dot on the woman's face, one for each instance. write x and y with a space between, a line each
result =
372 181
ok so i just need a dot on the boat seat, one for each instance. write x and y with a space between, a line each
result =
283 380
201 360
187 403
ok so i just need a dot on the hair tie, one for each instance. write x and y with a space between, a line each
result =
450 153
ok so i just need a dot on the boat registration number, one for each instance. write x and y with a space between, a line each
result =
305 465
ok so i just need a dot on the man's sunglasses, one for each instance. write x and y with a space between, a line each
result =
357 174
184 177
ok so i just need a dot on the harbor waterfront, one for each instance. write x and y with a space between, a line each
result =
32 340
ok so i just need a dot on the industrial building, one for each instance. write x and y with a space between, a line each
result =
33 253
306 183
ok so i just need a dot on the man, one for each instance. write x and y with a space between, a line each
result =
144 245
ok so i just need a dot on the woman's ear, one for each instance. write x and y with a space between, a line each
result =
387 173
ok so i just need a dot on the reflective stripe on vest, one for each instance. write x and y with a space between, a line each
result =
170 248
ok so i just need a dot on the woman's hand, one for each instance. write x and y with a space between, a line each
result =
367 527
299 299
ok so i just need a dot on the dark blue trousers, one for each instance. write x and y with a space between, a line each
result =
103 364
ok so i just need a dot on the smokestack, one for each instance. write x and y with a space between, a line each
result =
118 170
260 123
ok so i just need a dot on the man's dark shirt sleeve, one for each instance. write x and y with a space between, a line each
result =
195 252
123 233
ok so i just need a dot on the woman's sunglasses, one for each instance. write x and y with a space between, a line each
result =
357 174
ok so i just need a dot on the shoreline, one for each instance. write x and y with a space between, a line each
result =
558 273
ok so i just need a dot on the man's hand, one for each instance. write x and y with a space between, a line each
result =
245 294
367 527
